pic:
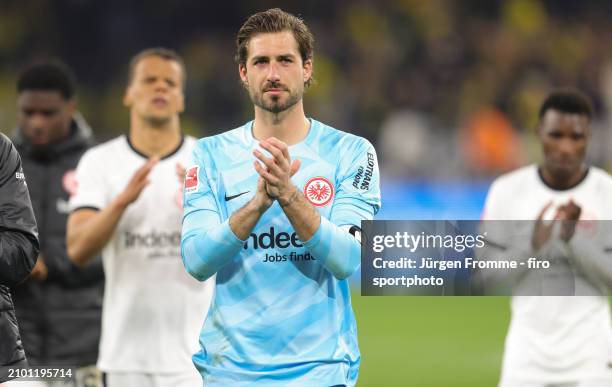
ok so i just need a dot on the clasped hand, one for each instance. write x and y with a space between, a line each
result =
568 214
275 172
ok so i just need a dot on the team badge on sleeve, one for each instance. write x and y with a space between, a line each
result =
70 183
191 179
319 191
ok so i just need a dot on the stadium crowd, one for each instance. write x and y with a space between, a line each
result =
430 83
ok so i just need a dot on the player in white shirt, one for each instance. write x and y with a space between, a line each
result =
562 341
129 207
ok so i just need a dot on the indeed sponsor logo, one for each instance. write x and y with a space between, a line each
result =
272 240
152 239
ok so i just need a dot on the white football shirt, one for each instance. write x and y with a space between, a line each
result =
153 309
561 338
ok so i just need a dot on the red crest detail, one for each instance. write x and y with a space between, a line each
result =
319 191
69 182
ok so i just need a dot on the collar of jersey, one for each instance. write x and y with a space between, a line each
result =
172 153
541 178
313 126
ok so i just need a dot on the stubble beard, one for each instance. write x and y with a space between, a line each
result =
275 105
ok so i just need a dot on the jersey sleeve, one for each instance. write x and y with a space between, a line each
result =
91 187
358 186
201 211
357 198
494 203
207 242
18 234
501 242
592 250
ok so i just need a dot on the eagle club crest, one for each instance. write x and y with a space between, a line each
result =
319 191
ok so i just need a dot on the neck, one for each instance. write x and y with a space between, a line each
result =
154 140
562 182
290 126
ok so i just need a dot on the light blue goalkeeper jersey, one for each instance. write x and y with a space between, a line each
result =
279 317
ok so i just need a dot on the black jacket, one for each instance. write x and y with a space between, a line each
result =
59 318
18 250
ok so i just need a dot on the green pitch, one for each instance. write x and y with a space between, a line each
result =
431 341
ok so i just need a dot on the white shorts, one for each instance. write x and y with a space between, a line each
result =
584 383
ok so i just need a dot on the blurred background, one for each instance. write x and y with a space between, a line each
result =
447 91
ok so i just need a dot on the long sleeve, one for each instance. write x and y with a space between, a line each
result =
207 244
336 243
18 234
505 239
594 260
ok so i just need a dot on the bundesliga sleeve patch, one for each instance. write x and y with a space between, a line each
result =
191 179
319 191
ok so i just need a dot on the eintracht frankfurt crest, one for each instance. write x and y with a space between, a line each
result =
319 191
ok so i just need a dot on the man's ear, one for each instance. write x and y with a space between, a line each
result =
307 70
589 131
182 102
242 71
71 106
127 97
539 128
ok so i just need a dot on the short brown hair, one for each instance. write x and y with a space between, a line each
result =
274 20
161 52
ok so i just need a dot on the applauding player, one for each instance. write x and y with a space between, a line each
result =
274 209
560 341
128 206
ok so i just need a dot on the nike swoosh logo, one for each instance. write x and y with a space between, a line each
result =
228 198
